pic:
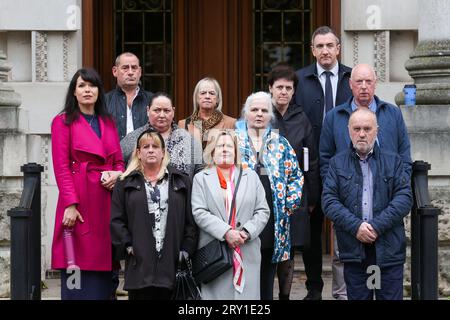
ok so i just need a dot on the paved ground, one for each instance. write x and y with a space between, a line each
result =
298 291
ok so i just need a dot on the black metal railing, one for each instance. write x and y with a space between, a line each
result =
26 237
424 237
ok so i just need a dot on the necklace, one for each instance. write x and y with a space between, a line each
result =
151 179
91 120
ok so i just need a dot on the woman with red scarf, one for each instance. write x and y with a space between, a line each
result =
212 197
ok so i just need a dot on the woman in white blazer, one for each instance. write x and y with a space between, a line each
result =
212 194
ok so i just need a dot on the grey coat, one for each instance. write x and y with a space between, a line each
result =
252 213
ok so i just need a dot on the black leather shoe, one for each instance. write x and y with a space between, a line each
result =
313 295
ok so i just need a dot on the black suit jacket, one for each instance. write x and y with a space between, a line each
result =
309 94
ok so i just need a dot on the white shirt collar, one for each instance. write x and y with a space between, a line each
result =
333 70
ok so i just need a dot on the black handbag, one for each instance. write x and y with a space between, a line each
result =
211 261
185 286
215 258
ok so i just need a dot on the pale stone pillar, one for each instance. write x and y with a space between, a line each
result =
429 65
428 121
9 100
11 147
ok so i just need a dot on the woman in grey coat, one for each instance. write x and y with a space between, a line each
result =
212 194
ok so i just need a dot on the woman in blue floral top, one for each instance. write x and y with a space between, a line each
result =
273 158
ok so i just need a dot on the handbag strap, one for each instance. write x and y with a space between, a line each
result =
182 258
233 202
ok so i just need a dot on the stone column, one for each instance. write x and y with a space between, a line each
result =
12 145
429 65
428 121
9 100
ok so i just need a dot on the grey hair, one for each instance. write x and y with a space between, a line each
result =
258 95
129 54
216 87
363 110
363 65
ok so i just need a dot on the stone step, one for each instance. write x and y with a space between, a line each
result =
299 267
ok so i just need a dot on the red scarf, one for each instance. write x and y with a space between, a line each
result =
238 270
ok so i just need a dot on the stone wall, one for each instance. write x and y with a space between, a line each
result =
7 200
441 199
381 33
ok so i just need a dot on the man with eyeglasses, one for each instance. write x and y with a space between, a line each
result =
128 102
392 134
321 86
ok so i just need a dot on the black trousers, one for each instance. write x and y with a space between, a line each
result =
312 255
267 276
150 293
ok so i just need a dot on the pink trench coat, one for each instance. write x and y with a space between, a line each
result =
79 156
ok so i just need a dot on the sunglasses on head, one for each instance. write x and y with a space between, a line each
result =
149 131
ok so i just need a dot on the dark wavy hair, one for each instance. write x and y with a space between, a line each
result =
71 108
282 71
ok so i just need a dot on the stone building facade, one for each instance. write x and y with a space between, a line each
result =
41 47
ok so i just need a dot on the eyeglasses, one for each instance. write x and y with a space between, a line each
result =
148 131
359 83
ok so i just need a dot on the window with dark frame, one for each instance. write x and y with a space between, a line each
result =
145 28
282 31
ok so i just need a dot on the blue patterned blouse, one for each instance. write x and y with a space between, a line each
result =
286 181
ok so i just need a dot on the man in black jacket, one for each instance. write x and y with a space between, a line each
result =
312 95
128 102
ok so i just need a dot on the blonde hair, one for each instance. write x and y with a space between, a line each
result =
135 163
213 138
216 87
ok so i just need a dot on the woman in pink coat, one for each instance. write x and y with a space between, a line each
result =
87 161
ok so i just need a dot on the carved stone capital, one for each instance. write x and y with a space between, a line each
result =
8 98
429 66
